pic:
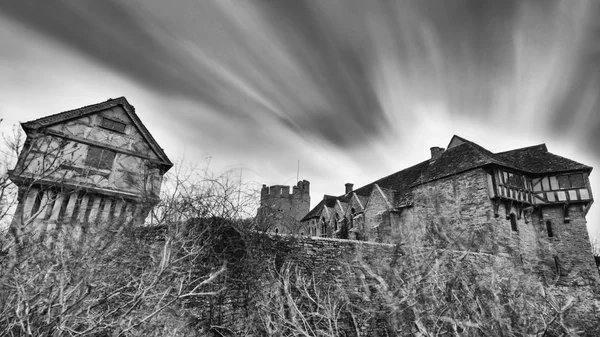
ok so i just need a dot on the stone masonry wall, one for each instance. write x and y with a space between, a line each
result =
377 217
455 212
569 244
349 264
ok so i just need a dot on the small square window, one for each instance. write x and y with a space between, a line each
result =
107 123
113 125
515 180
117 126
577 180
563 182
100 158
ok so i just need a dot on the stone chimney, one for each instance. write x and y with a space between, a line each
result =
349 187
436 152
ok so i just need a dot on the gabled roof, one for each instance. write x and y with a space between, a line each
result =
328 201
463 155
455 141
64 116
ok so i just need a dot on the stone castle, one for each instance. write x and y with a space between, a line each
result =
493 211
100 164
94 164
527 203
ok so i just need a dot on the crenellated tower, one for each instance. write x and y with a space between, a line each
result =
281 211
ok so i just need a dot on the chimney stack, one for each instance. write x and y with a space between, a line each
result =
436 152
349 187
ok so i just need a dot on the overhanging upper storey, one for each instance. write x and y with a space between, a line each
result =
540 178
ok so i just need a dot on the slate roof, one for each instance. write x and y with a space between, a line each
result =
90 109
464 157
537 159
399 181
328 201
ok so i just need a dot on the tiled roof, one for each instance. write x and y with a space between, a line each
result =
75 113
464 156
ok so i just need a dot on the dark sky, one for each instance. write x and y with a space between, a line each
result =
353 89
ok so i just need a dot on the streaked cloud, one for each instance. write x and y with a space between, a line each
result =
359 84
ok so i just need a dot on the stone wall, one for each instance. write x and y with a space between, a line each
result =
454 212
360 267
377 225
457 213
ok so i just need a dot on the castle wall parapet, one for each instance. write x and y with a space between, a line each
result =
300 191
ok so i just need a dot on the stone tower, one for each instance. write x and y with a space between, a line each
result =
281 211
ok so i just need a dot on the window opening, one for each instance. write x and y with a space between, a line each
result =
276 230
513 222
515 180
112 124
100 212
100 158
63 207
52 195
335 224
571 181
122 213
576 181
77 207
88 209
37 203
112 210
549 228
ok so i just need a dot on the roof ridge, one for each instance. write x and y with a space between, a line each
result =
90 107
477 146
525 148
93 108
489 154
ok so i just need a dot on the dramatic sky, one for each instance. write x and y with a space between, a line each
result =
352 89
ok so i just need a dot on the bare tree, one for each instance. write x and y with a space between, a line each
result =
115 279
192 192
418 290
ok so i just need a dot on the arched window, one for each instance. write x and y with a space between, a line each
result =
276 230
513 222
335 223
549 228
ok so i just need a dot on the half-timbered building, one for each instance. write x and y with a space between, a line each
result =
528 203
87 166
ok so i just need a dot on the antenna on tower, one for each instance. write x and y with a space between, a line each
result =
298 172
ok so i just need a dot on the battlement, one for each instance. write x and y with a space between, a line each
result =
300 191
